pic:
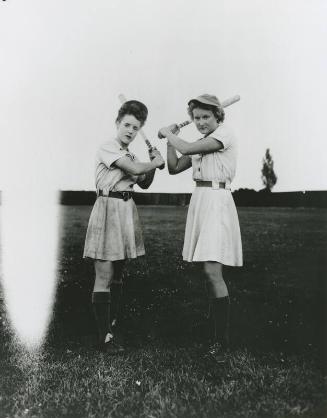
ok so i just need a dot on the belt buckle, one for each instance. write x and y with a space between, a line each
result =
219 185
125 196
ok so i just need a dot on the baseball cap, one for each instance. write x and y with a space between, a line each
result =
208 99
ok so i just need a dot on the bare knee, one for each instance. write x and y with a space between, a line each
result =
217 286
213 271
104 273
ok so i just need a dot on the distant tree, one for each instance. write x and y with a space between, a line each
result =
268 175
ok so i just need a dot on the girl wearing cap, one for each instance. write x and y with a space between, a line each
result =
212 233
114 231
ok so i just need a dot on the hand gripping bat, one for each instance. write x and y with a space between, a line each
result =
225 103
123 99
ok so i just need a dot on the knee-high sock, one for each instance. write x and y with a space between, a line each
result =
101 309
116 291
220 312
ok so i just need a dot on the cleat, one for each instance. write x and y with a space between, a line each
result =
111 345
108 338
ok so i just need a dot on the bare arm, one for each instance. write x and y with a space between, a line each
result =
137 168
205 146
146 180
177 165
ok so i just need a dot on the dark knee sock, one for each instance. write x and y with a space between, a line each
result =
220 312
101 309
116 291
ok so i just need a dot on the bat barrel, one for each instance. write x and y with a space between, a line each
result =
230 101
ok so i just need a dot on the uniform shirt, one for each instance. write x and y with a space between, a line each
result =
108 177
219 166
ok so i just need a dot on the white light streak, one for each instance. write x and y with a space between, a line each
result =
29 237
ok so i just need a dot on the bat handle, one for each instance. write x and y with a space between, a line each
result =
148 144
151 148
181 125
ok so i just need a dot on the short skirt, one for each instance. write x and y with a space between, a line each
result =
114 230
212 228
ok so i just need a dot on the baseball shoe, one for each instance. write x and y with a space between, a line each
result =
111 345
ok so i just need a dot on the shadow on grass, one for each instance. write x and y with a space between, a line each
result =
278 297
173 310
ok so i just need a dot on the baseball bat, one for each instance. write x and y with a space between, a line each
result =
224 104
123 99
231 100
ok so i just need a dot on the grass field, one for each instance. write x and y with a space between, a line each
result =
277 366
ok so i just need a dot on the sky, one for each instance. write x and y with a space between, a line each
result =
64 63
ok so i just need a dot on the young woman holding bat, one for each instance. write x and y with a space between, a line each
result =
114 231
212 233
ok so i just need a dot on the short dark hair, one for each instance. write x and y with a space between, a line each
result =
135 108
218 112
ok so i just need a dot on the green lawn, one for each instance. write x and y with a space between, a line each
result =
277 367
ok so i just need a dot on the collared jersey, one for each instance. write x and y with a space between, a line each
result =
108 177
219 166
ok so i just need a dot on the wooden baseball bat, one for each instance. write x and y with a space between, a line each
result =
231 100
224 104
123 99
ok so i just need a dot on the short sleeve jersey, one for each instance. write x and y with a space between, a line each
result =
219 166
108 177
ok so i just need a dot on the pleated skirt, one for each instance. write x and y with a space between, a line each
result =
114 231
212 230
